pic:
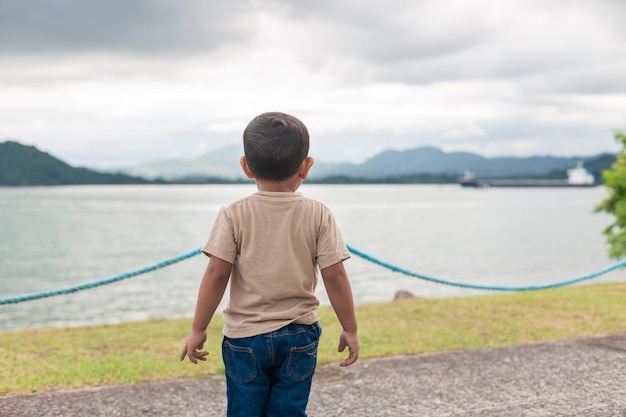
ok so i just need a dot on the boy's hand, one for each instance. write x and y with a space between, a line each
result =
351 341
193 344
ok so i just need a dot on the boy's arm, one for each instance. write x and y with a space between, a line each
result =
210 295
340 296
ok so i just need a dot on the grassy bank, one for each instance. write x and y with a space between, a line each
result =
51 359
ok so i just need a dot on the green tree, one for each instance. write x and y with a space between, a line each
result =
615 203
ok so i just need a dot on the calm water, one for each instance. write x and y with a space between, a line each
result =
62 236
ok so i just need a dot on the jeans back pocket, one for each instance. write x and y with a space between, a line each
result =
302 361
239 362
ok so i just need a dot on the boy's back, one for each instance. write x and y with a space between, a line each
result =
275 241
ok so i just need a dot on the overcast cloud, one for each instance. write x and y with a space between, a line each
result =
112 83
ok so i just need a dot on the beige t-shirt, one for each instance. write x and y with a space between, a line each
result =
275 241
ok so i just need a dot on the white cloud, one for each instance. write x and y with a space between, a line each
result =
507 77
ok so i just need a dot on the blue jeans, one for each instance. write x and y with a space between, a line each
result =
270 375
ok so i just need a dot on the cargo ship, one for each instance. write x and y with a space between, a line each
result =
576 177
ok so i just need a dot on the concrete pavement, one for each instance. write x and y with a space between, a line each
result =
585 377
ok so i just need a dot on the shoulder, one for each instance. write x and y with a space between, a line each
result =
314 205
237 204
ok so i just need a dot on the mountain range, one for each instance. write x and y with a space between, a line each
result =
22 165
224 163
27 165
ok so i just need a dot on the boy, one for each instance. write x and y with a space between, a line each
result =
270 245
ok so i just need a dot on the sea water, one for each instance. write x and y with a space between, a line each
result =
55 237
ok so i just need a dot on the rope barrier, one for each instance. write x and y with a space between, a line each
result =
394 268
104 281
486 287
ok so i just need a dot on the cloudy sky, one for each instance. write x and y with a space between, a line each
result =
118 82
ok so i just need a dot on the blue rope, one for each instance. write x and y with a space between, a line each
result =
170 261
486 287
94 284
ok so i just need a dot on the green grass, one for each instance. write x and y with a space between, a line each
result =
63 358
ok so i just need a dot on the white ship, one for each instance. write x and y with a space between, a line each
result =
576 177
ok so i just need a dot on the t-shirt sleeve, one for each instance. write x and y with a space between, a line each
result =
222 243
331 248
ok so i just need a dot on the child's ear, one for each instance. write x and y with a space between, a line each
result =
244 166
305 167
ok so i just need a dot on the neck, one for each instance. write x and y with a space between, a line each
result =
289 185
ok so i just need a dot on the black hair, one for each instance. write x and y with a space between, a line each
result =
275 144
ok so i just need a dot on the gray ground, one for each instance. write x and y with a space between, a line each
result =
584 377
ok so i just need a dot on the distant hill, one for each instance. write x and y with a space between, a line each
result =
222 163
430 160
427 163
27 165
